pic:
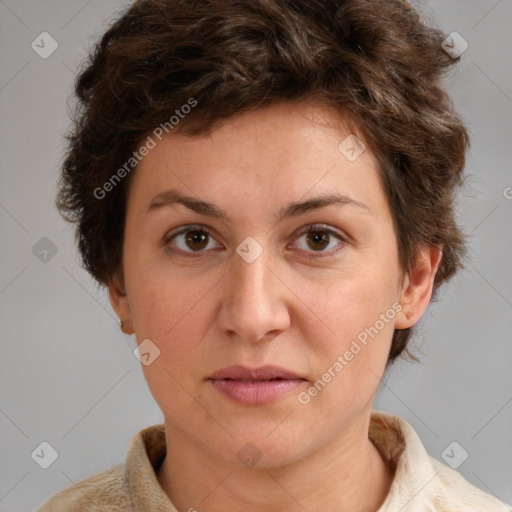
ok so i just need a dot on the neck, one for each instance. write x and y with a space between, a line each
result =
346 475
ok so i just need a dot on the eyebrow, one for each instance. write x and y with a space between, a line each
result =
293 209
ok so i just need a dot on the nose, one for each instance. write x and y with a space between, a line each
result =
254 303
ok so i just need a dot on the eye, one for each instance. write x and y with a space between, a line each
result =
319 238
193 240
190 240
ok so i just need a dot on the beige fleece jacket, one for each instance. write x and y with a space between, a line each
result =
421 483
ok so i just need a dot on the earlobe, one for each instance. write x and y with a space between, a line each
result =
119 301
417 287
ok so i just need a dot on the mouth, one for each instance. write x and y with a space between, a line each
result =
255 386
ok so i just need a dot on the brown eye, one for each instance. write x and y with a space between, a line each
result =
196 240
320 239
190 241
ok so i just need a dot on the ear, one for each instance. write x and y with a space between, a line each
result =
120 304
416 290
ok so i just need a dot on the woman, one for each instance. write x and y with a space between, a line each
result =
266 189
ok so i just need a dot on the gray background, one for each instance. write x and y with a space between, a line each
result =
69 377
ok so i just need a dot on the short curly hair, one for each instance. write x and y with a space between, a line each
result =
375 61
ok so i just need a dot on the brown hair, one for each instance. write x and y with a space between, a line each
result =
375 60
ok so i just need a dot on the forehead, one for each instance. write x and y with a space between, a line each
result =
261 159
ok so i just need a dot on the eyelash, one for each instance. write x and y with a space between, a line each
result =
310 228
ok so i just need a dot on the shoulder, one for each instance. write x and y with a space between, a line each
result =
132 485
100 492
422 483
459 495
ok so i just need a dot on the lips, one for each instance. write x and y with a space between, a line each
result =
253 374
255 386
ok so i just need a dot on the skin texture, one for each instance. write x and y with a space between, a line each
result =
284 309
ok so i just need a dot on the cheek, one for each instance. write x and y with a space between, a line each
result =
161 295
174 312
350 361
167 311
352 302
359 308
172 316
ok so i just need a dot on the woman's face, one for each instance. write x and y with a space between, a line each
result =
314 291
